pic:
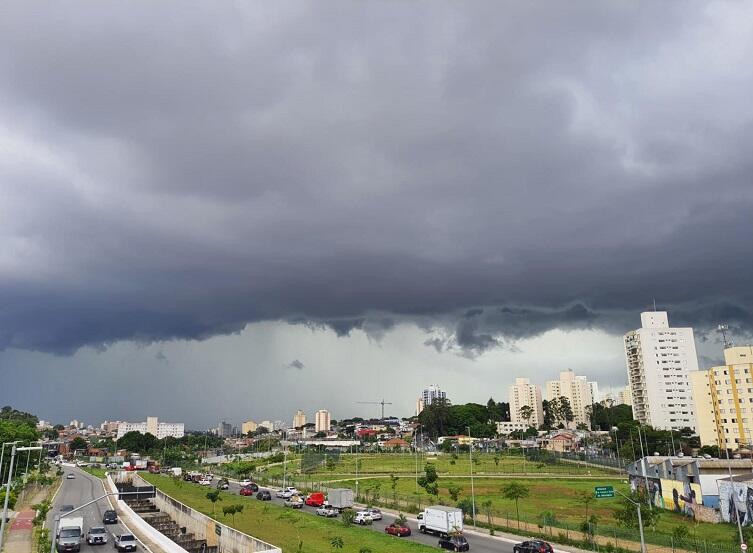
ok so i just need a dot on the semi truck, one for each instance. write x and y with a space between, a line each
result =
340 498
69 534
440 520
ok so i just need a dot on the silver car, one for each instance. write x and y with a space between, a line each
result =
96 535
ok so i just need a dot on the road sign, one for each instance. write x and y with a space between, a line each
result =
218 529
744 546
603 491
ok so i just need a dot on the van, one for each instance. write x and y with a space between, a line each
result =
315 499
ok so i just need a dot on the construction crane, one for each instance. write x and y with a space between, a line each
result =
382 403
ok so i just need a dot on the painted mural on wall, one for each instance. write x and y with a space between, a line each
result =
681 497
736 501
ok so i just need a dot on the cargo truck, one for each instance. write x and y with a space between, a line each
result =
440 520
69 534
340 498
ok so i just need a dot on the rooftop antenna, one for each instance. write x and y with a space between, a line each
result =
723 329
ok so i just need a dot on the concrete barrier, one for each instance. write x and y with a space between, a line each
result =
227 539
135 521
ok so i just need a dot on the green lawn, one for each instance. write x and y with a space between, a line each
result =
99 473
400 463
286 528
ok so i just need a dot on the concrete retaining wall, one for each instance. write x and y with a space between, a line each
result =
226 538
137 523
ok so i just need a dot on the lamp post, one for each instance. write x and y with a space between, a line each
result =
640 519
732 496
7 486
470 458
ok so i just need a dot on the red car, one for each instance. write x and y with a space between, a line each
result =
397 529
246 490
315 499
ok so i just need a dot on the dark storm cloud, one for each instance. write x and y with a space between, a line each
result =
494 169
296 364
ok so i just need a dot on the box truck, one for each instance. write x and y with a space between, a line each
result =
69 534
440 520
340 498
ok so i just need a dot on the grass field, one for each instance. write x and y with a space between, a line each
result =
396 463
286 528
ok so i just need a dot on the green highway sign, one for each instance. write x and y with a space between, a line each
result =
603 491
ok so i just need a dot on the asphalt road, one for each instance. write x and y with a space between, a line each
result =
478 543
76 492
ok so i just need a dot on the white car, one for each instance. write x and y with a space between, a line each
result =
363 518
70 476
205 482
286 493
327 511
245 482
376 514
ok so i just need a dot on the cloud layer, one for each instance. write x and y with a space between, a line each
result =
490 171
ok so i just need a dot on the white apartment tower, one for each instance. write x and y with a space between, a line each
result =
524 393
576 389
659 362
430 394
322 421
153 427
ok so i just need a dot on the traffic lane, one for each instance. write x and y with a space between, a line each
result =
82 489
482 544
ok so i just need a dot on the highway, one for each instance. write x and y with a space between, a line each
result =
82 489
478 543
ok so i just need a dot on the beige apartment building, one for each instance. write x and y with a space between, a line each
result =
723 399
524 393
299 419
577 390
322 421
248 426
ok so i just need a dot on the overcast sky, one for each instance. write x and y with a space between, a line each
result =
217 210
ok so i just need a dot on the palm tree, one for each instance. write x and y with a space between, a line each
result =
337 542
515 491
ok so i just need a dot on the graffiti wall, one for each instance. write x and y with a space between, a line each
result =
736 500
681 497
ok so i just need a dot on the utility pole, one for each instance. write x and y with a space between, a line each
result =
732 498
470 458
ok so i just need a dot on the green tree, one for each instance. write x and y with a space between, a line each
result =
626 513
565 411
336 542
214 497
526 412
348 515
393 484
454 491
515 491
585 499
79 444
486 507
496 460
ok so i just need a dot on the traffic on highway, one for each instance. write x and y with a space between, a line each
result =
92 527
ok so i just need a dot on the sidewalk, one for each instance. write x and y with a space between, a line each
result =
20 534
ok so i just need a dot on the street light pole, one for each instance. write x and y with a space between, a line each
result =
732 496
7 486
640 519
473 491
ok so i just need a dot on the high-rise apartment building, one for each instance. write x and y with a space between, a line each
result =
419 405
153 427
322 421
660 360
524 393
299 419
432 393
248 426
624 396
576 389
224 430
723 399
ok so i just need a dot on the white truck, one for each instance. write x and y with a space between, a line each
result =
340 498
70 532
440 520
176 471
